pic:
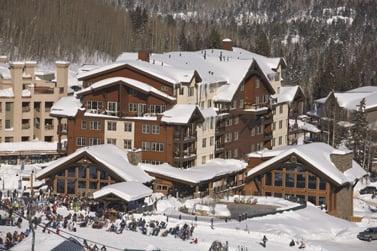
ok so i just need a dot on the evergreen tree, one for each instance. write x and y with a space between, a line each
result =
262 44
359 134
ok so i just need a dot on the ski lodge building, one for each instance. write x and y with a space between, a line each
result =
314 172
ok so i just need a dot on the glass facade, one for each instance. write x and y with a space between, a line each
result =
294 180
82 179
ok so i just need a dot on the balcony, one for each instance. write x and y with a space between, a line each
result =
255 109
26 109
62 129
26 126
43 90
267 136
49 127
186 157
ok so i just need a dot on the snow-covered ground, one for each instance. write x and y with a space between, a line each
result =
318 230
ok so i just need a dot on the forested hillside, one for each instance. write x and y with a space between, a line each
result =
328 44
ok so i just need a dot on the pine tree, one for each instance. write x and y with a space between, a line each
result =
359 134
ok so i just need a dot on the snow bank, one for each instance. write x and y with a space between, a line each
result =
222 210
169 203
281 203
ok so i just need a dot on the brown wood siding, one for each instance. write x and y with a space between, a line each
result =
133 74
165 137
75 131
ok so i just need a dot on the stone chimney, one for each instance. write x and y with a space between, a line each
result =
62 76
343 161
30 68
143 55
3 59
228 44
16 71
134 156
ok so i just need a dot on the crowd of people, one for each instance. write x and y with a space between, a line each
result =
46 211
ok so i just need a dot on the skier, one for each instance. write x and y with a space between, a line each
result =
264 241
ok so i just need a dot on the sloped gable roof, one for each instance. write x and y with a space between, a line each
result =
114 158
126 81
316 154
181 114
128 191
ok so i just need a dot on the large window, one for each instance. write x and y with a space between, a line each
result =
93 172
60 185
278 179
300 181
71 172
268 179
312 182
71 186
290 180
94 105
322 184
82 172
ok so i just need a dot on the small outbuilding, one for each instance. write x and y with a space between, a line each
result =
123 196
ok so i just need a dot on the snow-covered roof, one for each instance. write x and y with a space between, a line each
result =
317 154
128 191
5 72
209 171
100 69
287 94
179 114
366 88
66 107
355 172
208 112
127 56
304 126
350 100
114 158
37 146
231 69
173 75
127 81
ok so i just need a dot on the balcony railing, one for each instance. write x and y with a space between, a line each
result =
62 129
256 109
26 109
25 126
43 90
49 127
